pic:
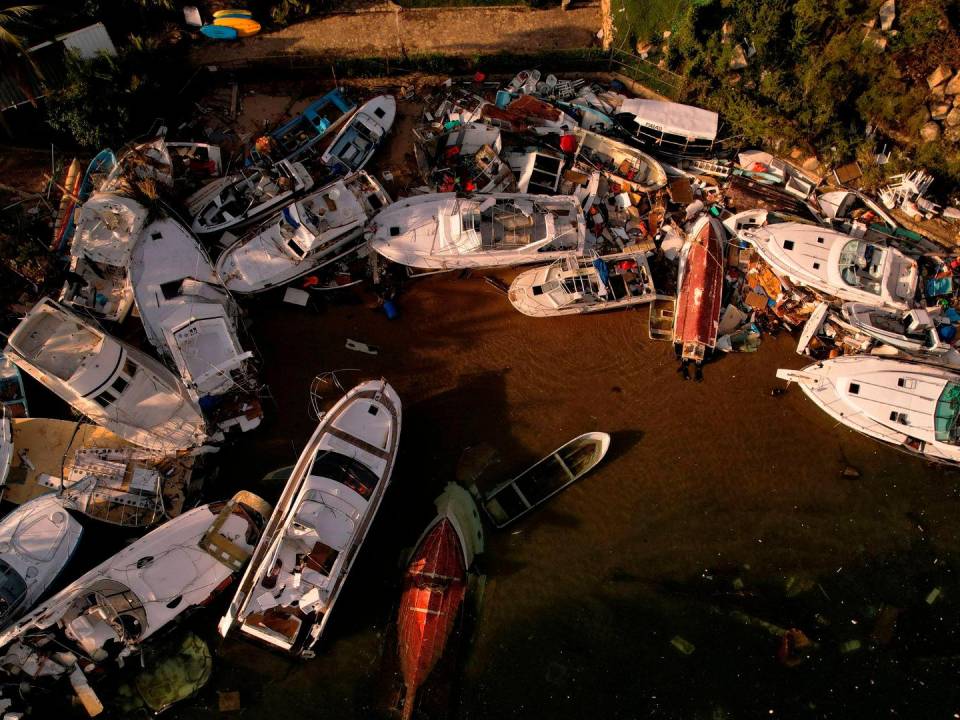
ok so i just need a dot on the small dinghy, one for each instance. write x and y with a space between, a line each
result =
434 587
107 614
192 321
318 230
37 540
700 290
322 518
356 142
913 332
114 384
246 198
913 407
297 137
513 499
583 285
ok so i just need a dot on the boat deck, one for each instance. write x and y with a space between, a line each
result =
58 344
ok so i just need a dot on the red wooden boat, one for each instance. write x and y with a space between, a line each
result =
700 289
433 591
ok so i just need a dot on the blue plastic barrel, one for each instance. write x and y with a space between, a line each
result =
503 98
390 308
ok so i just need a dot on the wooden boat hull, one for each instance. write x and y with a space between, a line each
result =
700 290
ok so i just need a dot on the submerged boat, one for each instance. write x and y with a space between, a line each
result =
913 332
320 229
93 471
37 541
630 168
847 268
700 290
911 406
107 614
356 142
583 285
97 278
434 587
514 498
443 232
321 520
242 199
112 383
297 137
192 320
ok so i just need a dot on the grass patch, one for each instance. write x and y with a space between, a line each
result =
646 19
463 3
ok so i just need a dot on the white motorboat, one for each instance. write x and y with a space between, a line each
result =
913 332
670 128
97 279
443 232
107 614
242 199
37 540
575 285
630 168
190 318
835 264
112 383
93 471
911 406
322 518
356 142
320 229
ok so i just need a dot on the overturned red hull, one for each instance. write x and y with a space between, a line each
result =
433 590
700 291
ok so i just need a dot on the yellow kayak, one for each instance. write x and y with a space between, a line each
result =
232 13
245 27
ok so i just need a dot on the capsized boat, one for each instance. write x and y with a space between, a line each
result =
37 541
242 199
322 518
434 587
356 142
911 406
105 616
914 332
514 498
192 320
320 229
630 168
575 285
114 384
297 137
94 472
700 289
440 231
97 281
847 268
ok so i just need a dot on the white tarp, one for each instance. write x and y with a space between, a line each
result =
673 118
107 227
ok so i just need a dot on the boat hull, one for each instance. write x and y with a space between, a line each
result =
700 290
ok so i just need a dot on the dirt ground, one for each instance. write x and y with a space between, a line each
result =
393 34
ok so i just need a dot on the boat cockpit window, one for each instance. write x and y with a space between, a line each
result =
345 470
547 288
105 399
946 415
13 589
861 265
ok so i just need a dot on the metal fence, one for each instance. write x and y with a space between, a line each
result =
646 73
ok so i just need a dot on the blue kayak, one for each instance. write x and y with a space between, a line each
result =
219 32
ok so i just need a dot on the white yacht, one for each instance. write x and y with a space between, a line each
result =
356 142
440 231
248 197
911 406
583 285
321 520
112 383
107 614
320 229
913 332
97 280
190 318
844 267
37 540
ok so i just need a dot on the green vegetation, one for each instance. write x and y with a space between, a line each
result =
12 51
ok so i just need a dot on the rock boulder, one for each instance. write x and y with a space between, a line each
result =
930 132
938 76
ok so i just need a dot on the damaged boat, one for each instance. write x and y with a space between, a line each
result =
105 616
440 231
288 593
192 321
575 285
913 407
297 137
316 231
112 383
37 541
242 199
699 290
630 168
914 332
356 142
434 587
669 128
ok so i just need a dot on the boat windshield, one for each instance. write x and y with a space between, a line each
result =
861 265
345 470
12 590
947 414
